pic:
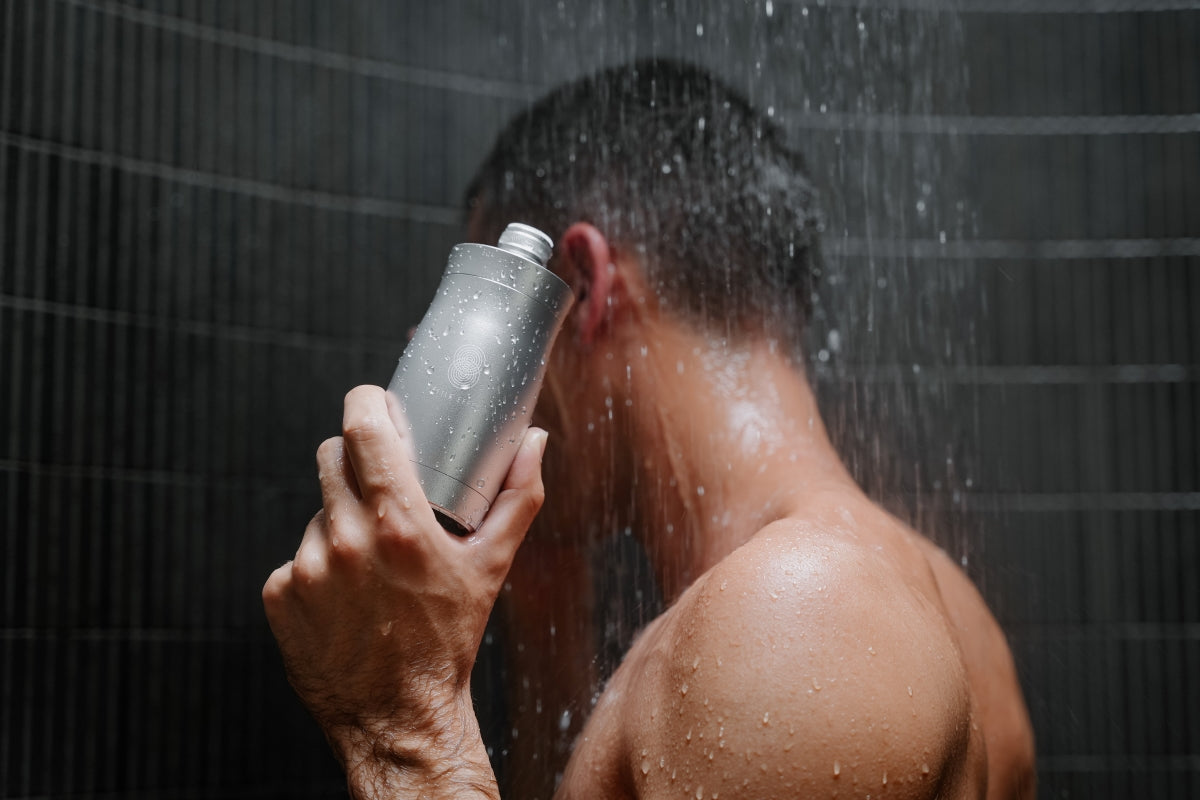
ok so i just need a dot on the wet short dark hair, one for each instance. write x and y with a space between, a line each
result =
676 167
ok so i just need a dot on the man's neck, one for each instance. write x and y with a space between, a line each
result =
733 441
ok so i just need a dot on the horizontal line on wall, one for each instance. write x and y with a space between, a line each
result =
1109 763
1070 6
1010 6
981 249
357 65
352 204
178 479
1030 250
251 791
1127 631
1054 375
986 125
1053 502
214 330
173 635
976 502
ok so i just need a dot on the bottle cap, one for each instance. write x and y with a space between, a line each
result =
526 241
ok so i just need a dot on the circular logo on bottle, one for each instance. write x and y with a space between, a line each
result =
465 367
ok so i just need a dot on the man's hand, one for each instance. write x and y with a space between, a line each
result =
380 613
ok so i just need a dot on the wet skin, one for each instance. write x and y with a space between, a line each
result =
817 660
780 575
813 645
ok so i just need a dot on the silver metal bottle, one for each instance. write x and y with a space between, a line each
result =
469 378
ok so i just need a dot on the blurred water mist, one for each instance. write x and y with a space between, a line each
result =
218 216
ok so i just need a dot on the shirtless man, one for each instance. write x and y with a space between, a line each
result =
813 646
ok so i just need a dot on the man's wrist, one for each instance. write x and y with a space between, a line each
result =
446 759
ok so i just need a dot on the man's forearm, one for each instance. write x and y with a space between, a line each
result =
382 777
450 762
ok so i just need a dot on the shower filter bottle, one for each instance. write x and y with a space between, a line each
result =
470 376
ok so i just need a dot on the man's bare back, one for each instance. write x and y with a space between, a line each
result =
819 659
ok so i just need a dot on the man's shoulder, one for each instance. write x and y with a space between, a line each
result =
801 662
808 579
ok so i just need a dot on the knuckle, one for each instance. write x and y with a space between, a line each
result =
533 499
344 547
342 533
308 568
397 541
393 536
537 495
330 450
366 414
275 588
362 427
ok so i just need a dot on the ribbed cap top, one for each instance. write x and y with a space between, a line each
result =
526 241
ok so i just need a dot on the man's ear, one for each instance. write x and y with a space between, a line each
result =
589 269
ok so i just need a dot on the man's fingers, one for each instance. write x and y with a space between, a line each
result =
343 516
344 519
308 561
274 593
339 486
310 565
380 460
518 502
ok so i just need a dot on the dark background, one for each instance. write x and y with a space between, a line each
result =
217 216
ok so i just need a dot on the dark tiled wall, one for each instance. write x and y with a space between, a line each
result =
1090 466
216 216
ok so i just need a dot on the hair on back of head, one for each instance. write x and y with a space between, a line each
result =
678 169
